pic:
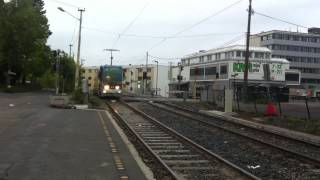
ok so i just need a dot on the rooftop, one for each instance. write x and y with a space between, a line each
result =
227 49
286 32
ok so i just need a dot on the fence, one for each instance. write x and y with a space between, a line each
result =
256 100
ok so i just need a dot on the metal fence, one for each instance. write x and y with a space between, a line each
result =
257 101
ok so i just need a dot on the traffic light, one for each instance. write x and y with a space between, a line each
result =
144 75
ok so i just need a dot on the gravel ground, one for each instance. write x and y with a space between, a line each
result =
311 151
259 159
140 125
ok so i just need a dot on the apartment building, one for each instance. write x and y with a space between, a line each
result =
302 50
157 79
220 68
91 74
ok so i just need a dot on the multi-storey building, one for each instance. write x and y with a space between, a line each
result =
91 75
156 81
301 49
220 68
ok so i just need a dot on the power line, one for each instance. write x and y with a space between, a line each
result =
278 19
197 23
66 4
164 58
233 40
74 33
161 37
130 24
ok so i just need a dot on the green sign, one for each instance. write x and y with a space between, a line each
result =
276 69
239 67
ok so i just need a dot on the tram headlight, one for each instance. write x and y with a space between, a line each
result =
117 87
106 87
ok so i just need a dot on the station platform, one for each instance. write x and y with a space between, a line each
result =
40 142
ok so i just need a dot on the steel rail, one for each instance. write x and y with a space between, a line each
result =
128 127
207 153
311 159
301 140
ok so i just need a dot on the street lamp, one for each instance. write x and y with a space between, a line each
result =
79 42
157 77
111 57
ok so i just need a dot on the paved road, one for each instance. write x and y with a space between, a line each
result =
39 142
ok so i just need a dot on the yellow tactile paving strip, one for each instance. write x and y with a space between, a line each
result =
116 155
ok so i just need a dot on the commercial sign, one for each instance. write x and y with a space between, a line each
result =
240 67
256 70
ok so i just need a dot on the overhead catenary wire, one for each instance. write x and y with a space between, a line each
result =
165 58
130 24
74 33
278 19
197 23
66 4
161 37
233 40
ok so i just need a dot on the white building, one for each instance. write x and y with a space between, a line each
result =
220 68
133 79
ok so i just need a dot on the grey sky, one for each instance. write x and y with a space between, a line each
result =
103 20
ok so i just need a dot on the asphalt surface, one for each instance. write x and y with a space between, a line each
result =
39 142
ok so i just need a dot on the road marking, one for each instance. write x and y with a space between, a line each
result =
116 155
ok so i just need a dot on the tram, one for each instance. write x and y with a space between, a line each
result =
110 81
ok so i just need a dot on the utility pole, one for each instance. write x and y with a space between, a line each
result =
246 65
70 46
78 53
146 76
57 72
157 77
111 57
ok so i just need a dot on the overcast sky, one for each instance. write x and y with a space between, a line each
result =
103 21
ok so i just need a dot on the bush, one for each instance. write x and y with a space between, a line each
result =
78 97
95 101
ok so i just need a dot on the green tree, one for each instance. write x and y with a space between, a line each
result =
23 36
67 69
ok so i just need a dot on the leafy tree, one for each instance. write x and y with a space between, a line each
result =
23 36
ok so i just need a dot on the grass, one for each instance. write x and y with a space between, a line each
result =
96 102
297 124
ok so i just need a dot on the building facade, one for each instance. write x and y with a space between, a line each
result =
302 50
222 68
91 75
157 79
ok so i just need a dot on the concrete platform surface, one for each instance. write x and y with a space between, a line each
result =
39 142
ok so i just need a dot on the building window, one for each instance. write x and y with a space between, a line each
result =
239 54
197 72
211 70
259 55
223 69
209 57
89 78
89 85
89 70
201 59
218 56
139 69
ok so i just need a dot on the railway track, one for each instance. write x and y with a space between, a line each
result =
180 157
263 159
299 147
